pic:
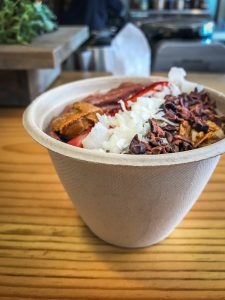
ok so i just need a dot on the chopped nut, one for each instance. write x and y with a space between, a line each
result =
194 135
214 134
212 126
185 129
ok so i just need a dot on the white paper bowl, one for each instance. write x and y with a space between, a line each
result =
127 200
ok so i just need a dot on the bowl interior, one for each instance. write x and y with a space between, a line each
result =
39 114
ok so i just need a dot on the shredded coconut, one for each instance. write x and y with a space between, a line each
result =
114 134
177 77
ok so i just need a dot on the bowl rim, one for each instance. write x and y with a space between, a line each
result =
95 156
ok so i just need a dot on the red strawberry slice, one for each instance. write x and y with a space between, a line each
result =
156 86
78 139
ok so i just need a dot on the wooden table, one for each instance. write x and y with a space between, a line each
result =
46 251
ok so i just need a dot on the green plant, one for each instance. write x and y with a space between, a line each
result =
23 20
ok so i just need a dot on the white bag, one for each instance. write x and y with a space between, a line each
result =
130 53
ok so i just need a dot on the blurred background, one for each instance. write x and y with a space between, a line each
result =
40 39
187 33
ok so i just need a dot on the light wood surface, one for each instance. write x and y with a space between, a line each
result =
46 251
46 51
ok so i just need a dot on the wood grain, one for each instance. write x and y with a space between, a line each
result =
46 251
46 51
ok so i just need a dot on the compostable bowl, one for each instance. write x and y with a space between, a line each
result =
127 200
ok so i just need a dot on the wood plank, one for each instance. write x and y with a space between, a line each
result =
38 263
103 293
46 51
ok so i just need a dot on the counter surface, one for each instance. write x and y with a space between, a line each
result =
45 51
46 251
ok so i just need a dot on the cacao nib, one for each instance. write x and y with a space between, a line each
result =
183 112
155 128
199 126
182 144
196 109
184 100
169 137
170 106
136 146
163 149
175 148
183 138
171 116
169 128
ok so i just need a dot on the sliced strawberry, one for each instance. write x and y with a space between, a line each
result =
113 112
156 86
78 139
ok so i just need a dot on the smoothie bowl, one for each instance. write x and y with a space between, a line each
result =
133 154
